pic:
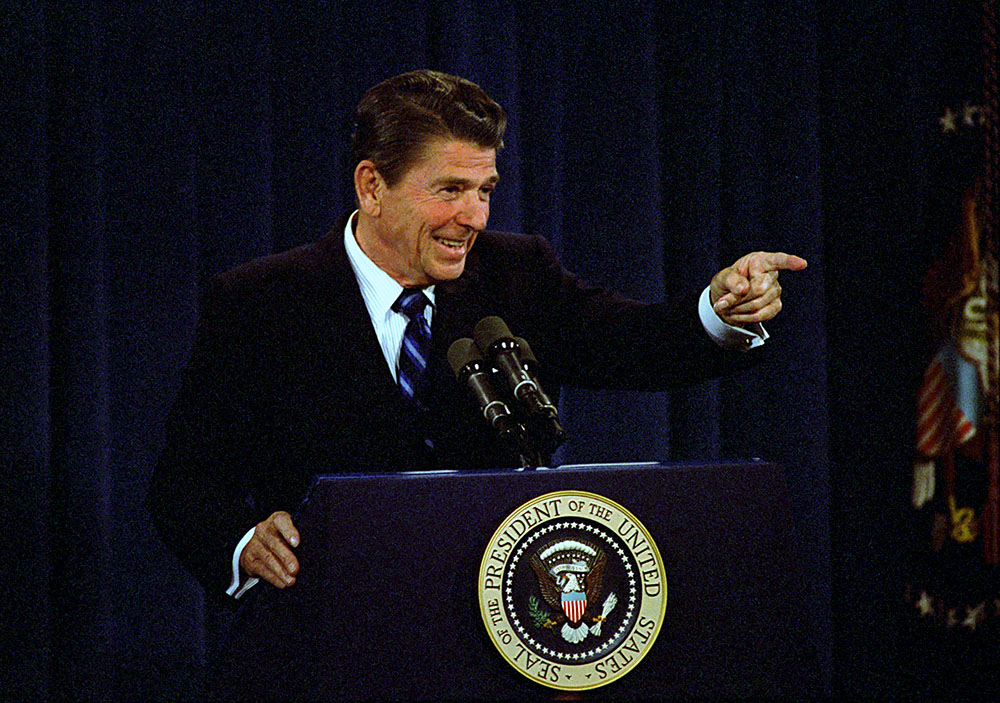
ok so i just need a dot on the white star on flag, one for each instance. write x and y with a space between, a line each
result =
973 616
925 605
947 121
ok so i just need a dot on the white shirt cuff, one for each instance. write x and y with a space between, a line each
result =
726 335
235 588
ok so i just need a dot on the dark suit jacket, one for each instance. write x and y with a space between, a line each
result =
287 380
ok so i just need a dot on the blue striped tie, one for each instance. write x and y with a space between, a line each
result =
416 347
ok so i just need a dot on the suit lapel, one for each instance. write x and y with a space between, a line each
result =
360 379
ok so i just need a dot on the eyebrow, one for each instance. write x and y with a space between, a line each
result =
465 182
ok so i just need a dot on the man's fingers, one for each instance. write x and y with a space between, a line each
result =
279 567
728 287
265 565
278 532
763 261
283 522
750 305
258 560
762 315
269 554
723 303
762 284
735 283
760 291
276 546
274 570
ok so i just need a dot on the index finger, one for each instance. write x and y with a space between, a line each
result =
776 261
283 522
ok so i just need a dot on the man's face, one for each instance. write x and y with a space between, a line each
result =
429 220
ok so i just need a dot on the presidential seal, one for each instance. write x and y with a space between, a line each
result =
572 590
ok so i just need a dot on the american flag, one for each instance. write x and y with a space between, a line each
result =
947 408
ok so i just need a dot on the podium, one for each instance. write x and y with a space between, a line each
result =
386 604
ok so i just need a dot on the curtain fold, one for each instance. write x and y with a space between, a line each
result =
80 474
25 418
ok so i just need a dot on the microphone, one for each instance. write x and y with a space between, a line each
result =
497 343
470 368
551 419
530 365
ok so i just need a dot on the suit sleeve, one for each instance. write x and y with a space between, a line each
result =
198 496
594 338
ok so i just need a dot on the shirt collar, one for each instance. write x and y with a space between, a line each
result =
382 289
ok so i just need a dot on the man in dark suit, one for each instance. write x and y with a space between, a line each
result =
297 358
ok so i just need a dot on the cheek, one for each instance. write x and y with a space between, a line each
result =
438 214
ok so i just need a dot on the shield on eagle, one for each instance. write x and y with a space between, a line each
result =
574 604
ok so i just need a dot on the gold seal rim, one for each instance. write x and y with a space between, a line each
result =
659 565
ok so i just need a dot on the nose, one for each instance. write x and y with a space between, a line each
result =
474 211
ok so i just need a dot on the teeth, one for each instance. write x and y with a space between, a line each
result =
452 243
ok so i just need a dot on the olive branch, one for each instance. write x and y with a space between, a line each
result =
540 616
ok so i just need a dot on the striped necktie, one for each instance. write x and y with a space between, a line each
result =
416 347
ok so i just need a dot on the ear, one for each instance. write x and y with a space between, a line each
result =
370 188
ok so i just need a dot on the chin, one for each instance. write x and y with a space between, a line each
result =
446 273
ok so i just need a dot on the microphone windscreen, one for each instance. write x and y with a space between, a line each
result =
527 355
461 352
490 330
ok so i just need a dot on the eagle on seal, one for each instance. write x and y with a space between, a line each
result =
570 574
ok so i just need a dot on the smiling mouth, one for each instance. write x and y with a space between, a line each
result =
453 244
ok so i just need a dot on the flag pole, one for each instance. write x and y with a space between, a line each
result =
989 204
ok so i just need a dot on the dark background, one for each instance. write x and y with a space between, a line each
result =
150 145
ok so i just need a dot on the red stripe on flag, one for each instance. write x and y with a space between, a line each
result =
965 432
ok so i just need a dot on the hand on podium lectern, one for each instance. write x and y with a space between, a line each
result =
268 554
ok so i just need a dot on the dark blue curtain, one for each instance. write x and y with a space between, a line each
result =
891 181
150 145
